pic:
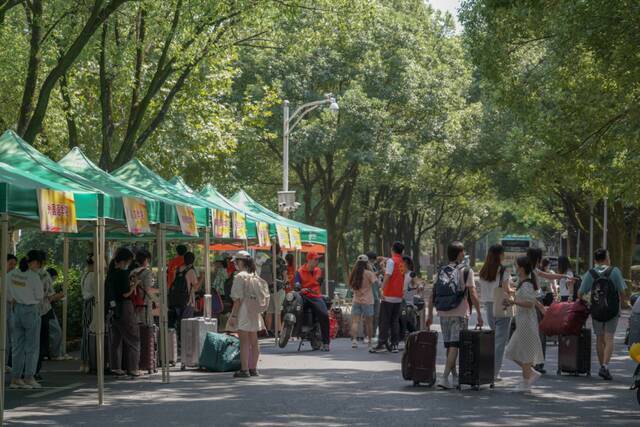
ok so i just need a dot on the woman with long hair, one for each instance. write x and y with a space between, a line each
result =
494 275
245 317
26 290
566 286
525 348
125 335
361 281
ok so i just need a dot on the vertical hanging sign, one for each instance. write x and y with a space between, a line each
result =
264 239
221 224
135 211
283 236
239 226
57 211
294 238
187 218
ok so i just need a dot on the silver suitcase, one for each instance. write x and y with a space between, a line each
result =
192 336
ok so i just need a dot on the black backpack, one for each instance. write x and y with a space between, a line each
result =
179 292
605 300
448 293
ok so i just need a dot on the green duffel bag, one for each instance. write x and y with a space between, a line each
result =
220 353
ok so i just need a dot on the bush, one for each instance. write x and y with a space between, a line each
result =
74 301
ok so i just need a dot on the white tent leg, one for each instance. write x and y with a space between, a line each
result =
207 273
4 241
65 287
162 283
99 251
276 303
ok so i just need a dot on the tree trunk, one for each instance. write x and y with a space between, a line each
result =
34 15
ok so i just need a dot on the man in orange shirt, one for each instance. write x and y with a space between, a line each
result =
174 264
308 279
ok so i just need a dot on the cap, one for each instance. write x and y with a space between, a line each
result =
242 255
363 258
312 256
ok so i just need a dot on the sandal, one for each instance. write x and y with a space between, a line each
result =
241 374
254 373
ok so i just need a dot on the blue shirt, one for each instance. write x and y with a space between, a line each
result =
615 276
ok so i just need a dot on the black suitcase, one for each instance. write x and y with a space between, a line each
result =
574 353
476 358
419 358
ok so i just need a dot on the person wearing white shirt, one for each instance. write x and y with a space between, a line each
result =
26 290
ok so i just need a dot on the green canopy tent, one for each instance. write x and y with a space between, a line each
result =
210 193
28 172
308 233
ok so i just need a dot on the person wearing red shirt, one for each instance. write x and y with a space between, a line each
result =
308 279
174 264
391 305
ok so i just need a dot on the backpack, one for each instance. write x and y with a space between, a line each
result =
137 298
256 293
179 293
448 291
605 301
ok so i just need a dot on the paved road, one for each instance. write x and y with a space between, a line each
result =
342 388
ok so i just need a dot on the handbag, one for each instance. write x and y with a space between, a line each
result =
499 310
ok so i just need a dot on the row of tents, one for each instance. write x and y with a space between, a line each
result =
76 197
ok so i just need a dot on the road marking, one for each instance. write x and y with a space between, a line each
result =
54 390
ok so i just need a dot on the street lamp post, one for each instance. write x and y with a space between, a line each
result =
287 199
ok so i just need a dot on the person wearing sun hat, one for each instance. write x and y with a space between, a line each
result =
308 279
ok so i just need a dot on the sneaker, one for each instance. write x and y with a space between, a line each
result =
241 374
388 346
32 383
498 379
607 375
540 368
444 383
254 373
354 344
380 348
394 349
134 374
17 384
325 347
523 386
535 376
455 381
602 372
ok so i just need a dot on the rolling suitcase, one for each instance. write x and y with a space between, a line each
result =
419 358
476 358
148 349
172 349
574 353
192 336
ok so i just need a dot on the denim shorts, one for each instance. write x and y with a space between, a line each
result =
365 310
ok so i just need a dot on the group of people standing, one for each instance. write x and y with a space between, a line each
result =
34 333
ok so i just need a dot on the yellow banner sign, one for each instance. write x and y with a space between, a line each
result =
57 211
135 211
283 236
221 224
294 238
263 234
187 218
239 226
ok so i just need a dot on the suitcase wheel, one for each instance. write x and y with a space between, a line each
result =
559 372
588 374
492 385
416 383
459 387
183 367
475 388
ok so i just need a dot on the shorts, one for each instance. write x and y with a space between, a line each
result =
608 327
365 310
451 327
279 296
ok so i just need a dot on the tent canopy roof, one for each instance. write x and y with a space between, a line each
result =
308 233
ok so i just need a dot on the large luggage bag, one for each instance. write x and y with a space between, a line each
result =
172 349
220 353
574 353
192 336
419 358
476 358
148 348
564 318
